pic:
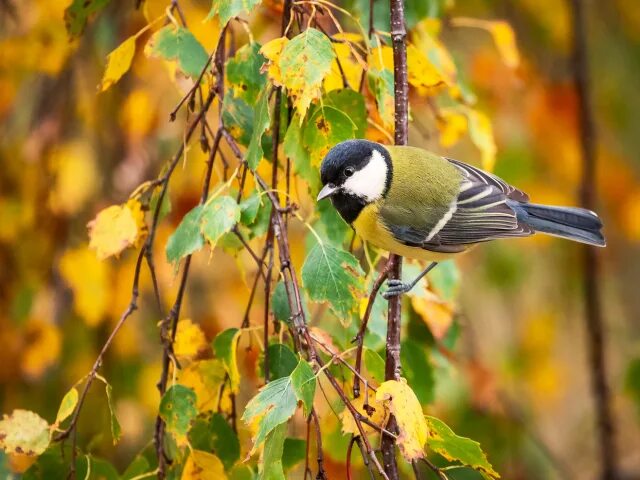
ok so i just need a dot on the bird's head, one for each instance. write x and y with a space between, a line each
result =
355 173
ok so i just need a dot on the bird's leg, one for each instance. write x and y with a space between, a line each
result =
398 287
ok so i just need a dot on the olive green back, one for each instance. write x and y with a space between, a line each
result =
422 188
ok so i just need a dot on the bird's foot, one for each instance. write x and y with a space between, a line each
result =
395 288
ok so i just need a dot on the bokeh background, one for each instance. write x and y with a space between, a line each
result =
518 378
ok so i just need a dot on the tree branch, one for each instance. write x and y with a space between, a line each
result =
591 267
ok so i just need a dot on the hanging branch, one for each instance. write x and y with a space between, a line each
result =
401 103
591 267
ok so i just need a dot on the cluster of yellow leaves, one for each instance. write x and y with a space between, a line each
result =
117 227
402 402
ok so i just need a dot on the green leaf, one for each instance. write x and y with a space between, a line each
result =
261 224
53 463
351 103
67 405
304 62
277 402
24 432
178 44
244 75
225 346
237 117
139 466
178 409
186 239
242 472
227 9
270 467
294 149
91 467
418 370
294 452
632 381
280 303
452 447
249 208
218 217
375 365
304 385
381 85
224 441
331 226
77 14
326 126
261 122
282 361
333 275
116 431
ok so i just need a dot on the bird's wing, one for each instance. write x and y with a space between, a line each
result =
478 213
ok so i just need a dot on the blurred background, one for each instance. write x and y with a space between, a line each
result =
517 376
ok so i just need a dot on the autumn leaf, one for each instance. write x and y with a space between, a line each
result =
178 409
116 228
77 14
118 63
272 51
67 406
375 411
481 132
203 466
205 378
302 65
405 407
24 432
505 40
186 239
190 341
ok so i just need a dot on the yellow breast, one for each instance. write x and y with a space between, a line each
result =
373 231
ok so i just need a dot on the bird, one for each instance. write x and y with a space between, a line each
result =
421 205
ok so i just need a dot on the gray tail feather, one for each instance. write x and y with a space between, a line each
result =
577 224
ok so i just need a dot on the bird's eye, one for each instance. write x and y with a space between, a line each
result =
348 171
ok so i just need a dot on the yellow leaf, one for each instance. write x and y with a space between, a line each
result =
203 466
205 377
422 74
379 415
70 163
271 51
67 405
351 68
481 133
42 350
88 278
190 340
117 227
437 314
405 407
24 432
118 63
381 58
505 42
452 125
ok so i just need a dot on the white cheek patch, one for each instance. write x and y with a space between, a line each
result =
370 182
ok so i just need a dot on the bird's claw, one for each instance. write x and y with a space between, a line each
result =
396 287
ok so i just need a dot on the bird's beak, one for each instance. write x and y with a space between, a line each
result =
328 190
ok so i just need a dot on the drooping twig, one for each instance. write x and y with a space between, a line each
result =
591 266
401 103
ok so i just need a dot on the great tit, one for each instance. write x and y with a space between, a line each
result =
420 205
